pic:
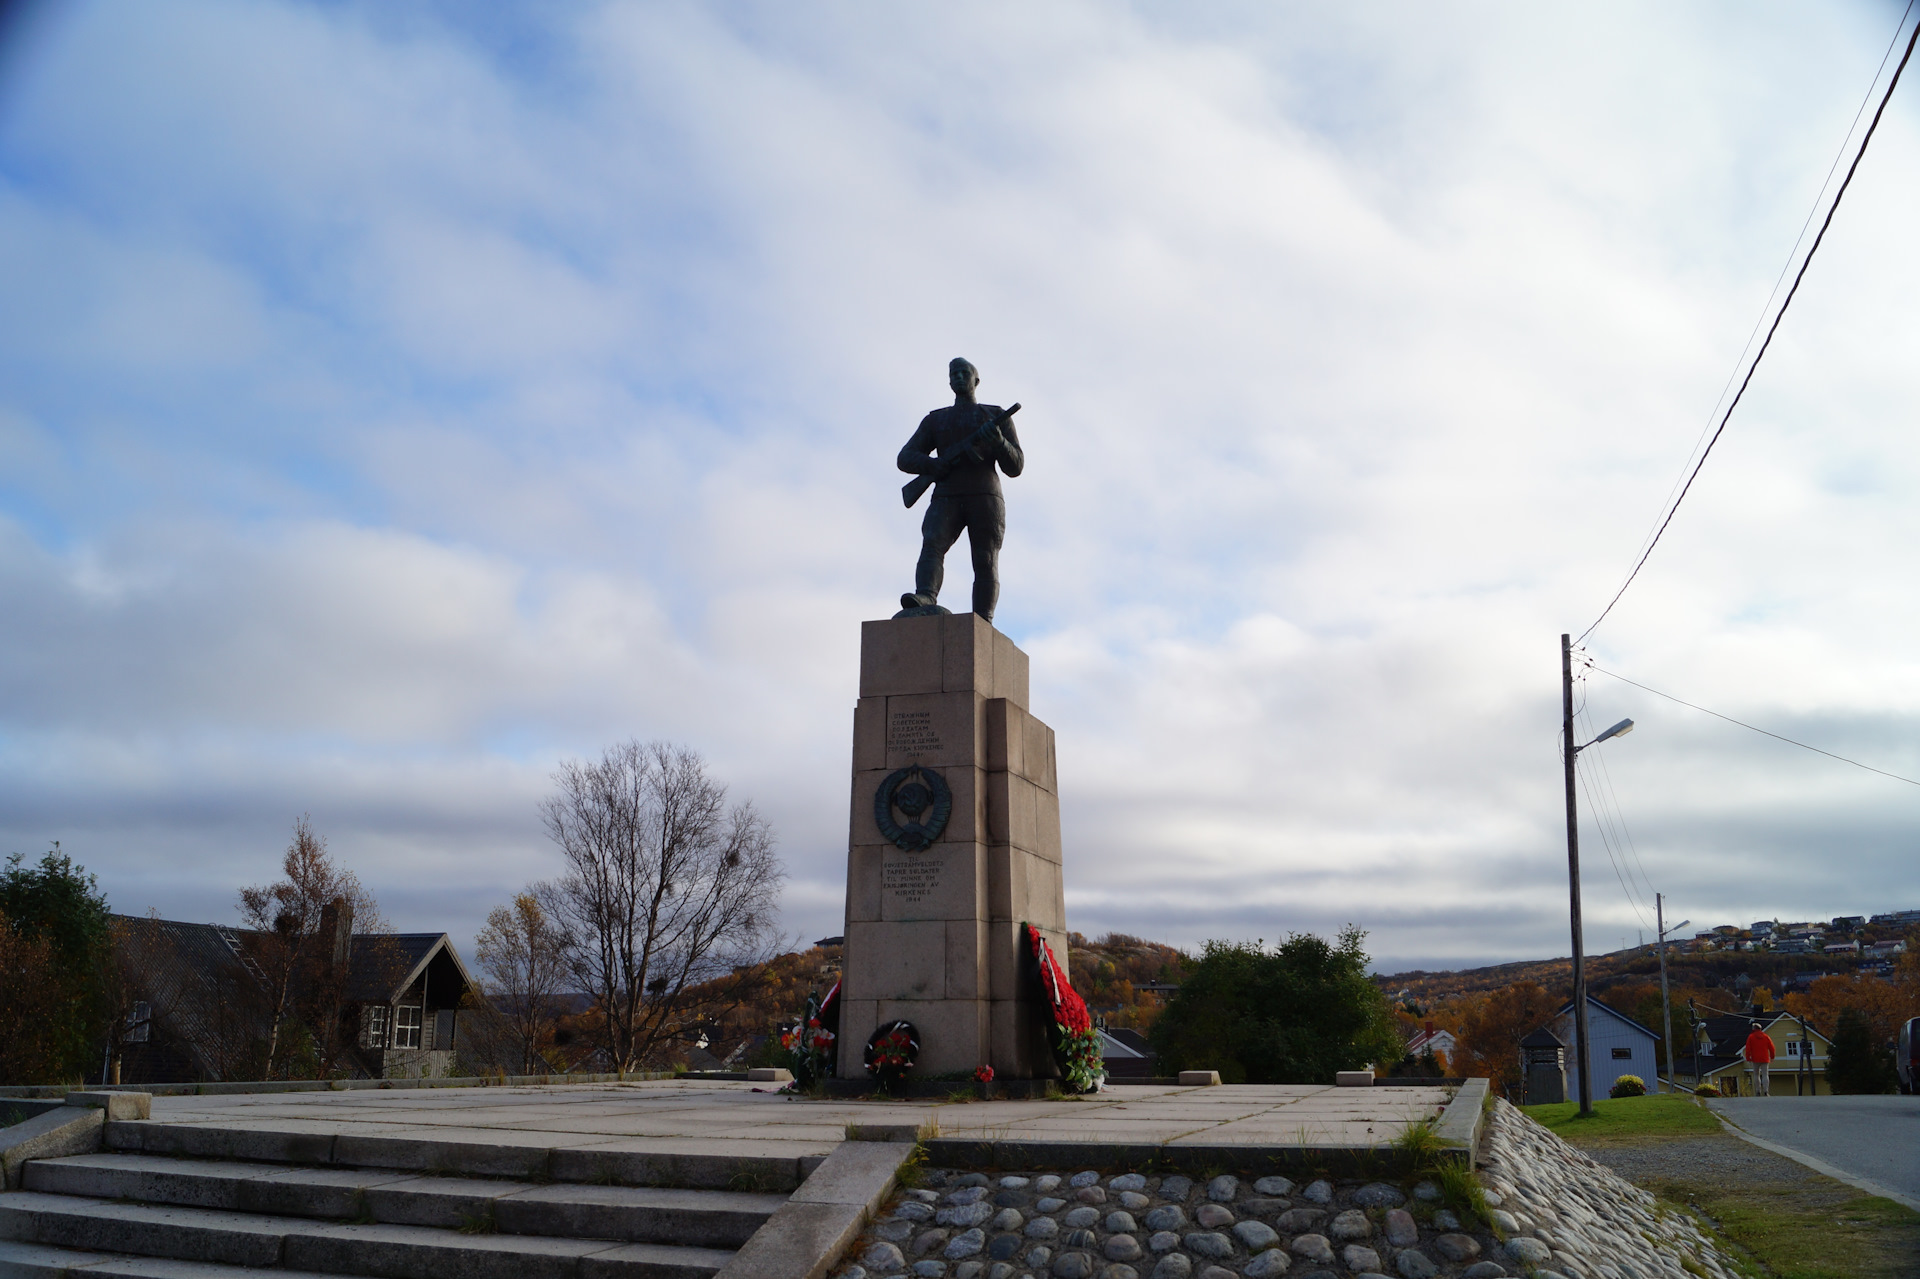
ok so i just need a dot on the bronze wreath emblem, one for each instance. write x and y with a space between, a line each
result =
913 790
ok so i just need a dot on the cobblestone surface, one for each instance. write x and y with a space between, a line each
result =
1571 1215
1557 1215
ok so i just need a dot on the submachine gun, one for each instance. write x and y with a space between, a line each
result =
910 491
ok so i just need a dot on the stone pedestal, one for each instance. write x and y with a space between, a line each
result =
934 936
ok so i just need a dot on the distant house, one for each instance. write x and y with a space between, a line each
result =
1842 948
199 1007
1848 923
1440 1043
419 1008
1616 1045
1125 1054
1884 949
1718 1056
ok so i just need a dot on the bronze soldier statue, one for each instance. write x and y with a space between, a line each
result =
973 439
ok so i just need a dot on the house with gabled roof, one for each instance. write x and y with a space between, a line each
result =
199 1008
1717 1055
1616 1045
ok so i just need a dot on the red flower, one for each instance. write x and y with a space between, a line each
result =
984 1074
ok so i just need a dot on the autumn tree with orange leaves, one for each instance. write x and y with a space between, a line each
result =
1492 1028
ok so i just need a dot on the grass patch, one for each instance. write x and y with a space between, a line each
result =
1662 1115
1801 1231
914 1170
1460 1190
1775 1216
1419 1143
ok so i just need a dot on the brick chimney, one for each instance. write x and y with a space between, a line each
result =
336 927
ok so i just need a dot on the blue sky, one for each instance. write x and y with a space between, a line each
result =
391 407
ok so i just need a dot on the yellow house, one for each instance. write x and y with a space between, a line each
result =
1799 1056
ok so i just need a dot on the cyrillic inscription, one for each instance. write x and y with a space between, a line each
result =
912 732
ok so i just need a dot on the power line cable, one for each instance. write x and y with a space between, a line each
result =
1764 732
1620 819
1610 823
1582 661
1839 154
1606 842
1612 826
1771 330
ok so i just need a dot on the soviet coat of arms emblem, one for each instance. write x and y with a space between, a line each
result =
911 792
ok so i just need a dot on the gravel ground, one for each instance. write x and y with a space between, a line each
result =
1718 1159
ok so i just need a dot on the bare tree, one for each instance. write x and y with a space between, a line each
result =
667 887
301 968
523 953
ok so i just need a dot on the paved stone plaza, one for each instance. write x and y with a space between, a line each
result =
727 1118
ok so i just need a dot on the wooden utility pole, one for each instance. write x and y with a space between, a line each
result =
1666 1007
1568 751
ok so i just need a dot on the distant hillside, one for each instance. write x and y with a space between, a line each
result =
1718 969
1109 972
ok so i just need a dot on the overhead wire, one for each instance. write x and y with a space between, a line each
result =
1584 661
1641 886
1751 727
1606 842
1604 821
1839 195
1766 307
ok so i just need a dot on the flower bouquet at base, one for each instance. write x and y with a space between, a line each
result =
810 1045
891 1052
1076 1044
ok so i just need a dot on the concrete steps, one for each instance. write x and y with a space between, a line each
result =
468 1153
123 1214
41 1261
259 1241
630 1214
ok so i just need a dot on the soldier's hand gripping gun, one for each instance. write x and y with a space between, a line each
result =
989 430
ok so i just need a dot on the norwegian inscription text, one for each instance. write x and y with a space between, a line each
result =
910 880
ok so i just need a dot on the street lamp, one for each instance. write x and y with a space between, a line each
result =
1573 871
1666 1008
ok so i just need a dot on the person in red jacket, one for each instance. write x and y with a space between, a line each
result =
1759 1052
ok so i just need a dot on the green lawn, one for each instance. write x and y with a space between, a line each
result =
1794 1222
1661 1115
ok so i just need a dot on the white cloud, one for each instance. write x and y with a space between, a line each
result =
392 408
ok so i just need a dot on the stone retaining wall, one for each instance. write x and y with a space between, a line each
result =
1552 1213
1567 1213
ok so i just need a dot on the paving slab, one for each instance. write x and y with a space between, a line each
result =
601 1130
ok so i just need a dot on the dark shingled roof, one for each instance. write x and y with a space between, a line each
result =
207 994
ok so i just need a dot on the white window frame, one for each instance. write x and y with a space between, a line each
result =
373 1026
139 1023
406 1026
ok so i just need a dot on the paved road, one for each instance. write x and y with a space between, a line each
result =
1874 1138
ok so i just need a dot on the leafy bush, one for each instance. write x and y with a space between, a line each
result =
1857 1064
57 952
1706 1090
1292 1015
1628 1086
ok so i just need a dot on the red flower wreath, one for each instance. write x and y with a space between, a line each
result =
1076 1045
